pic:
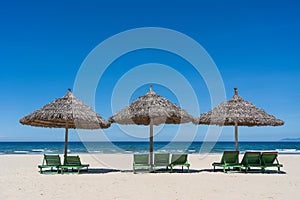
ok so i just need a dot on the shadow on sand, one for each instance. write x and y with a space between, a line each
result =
99 171
178 171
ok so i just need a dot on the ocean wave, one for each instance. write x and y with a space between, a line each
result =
95 151
49 151
37 150
281 151
288 151
21 152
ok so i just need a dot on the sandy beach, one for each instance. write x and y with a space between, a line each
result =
110 177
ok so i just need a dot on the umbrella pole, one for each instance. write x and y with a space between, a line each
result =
66 141
151 144
236 136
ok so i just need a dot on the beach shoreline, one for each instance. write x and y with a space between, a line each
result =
111 177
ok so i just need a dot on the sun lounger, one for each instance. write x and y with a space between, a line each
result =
179 159
269 159
229 160
73 162
50 161
161 160
251 159
141 161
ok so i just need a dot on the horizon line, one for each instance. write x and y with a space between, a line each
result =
158 141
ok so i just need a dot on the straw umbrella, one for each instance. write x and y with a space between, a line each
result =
238 112
151 109
66 112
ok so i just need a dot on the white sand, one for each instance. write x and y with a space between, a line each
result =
20 179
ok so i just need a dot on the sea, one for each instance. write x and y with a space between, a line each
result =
283 147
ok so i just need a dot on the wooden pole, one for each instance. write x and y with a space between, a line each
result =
236 136
151 143
66 141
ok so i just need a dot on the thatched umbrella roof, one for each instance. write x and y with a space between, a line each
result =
151 109
238 112
66 112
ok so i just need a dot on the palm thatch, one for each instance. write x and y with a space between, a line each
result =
151 107
66 111
237 110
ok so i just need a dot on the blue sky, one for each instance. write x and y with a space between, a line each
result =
254 44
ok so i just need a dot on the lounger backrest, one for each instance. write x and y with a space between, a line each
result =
230 157
251 158
52 160
268 157
179 159
72 160
161 159
141 158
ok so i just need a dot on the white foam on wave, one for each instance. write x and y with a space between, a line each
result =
21 152
49 151
291 151
251 150
37 150
95 151
162 151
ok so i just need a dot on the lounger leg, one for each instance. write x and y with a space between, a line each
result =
248 168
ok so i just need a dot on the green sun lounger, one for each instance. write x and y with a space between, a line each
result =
251 159
73 162
269 159
141 161
179 159
161 160
50 161
229 161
